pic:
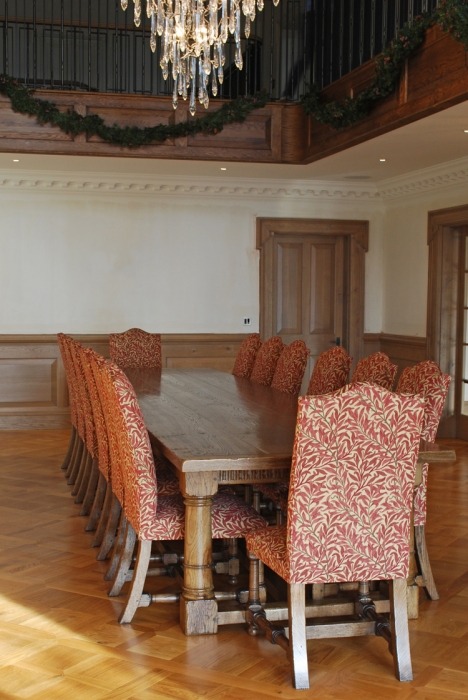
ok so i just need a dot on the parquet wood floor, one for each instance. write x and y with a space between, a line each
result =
59 638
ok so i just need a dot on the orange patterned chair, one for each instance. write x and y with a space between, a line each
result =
330 372
245 359
290 368
376 369
148 516
338 529
427 380
75 445
135 348
266 361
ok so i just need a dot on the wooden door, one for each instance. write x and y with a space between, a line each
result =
308 291
461 366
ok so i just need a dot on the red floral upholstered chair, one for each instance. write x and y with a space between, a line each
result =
135 348
245 359
75 445
330 372
290 368
349 514
150 517
376 369
266 361
427 380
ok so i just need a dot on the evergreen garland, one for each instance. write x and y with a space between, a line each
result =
451 16
73 123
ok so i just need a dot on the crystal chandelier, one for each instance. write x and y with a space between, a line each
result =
193 34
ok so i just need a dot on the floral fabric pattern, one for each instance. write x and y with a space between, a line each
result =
61 339
330 372
233 517
290 368
266 361
352 479
245 359
135 348
87 357
83 393
167 483
376 369
426 380
277 492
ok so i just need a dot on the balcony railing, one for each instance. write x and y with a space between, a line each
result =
93 45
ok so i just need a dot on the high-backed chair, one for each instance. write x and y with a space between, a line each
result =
266 361
290 368
76 411
245 359
376 369
349 514
150 517
135 348
427 380
330 372
75 445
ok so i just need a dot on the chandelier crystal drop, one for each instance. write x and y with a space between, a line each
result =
192 35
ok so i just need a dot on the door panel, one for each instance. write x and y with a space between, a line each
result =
322 288
289 288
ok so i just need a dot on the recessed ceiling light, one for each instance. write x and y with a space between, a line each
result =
466 131
223 168
382 160
15 160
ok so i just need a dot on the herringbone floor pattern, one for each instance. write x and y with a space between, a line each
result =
59 638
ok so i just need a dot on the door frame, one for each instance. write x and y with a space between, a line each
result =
356 233
443 238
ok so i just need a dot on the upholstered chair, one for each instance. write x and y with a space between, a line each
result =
76 414
290 368
74 437
266 361
376 369
245 359
135 348
349 515
330 372
150 517
427 380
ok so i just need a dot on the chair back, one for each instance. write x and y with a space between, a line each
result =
135 348
266 361
75 417
88 356
245 359
290 368
330 372
352 480
376 369
83 390
427 380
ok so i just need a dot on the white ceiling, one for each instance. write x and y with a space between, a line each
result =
428 142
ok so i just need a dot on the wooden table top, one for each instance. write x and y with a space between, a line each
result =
206 420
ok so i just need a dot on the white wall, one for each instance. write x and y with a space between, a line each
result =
405 256
83 259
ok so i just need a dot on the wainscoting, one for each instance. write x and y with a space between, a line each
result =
33 388
403 350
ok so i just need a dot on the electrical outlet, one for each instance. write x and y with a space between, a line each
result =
247 322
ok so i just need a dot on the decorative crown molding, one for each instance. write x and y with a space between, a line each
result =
437 177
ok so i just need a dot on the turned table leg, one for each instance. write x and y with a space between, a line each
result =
198 607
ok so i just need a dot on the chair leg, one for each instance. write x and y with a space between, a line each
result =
84 481
71 447
75 462
138 581
297 635
77 475
125 561
111 529
91 489
118 545
97 503
106 509
279 514
424 563
254 603
399 629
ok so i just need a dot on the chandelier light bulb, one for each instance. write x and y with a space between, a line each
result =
192 38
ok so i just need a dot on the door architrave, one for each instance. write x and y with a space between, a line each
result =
356 233
443 238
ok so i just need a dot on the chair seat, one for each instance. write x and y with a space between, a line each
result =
269 545
168 484
277 492
230 517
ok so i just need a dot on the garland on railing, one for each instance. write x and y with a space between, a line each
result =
451 16
73 123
